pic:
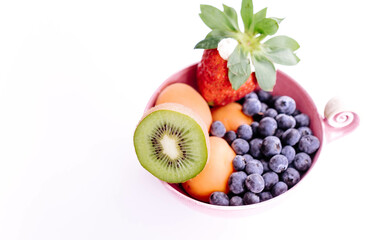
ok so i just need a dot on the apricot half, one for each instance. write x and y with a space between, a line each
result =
216 173
186 95
231 115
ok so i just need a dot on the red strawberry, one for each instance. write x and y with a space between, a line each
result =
223 81
213 80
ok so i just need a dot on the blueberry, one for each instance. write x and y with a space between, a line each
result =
251 95
251 106
255 183
244 131
285 121
240 146
290 177
278 163
239 163
270 178
271 146
270 112
218 129
265 165
309 144
285 104
254 126
264 196
302 120
236 182
305 131
264 107
250 198
230 136
267 126
247 157
255 147
291 136
254 166
302 161
219 198
263 95
279 188
289 152
236 201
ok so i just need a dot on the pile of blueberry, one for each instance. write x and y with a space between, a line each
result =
272 153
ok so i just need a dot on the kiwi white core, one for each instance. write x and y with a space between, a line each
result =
170 147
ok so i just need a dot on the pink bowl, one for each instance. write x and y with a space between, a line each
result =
338 122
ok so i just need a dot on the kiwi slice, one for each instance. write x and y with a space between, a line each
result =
172 143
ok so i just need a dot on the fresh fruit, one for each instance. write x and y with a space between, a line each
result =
230 136
289 152
218 129
264 196
279 188
250 198
184 94
255 147
231 116
244 131
270 112
285 121
219 198
240 146
239 163
302 161
290 177
172 142
309 144
224 73
271 146
236 201
302 120
255 183
267 126
278 163
270 179
216 172
254 166
285 104
237 182
251 106
213 81
291 136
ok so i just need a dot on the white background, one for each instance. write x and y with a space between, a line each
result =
75 77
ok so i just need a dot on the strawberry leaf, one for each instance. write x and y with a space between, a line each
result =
215 19
283 56
220 33
265 72
282 42
239 67
267 26
246 13
232 16
260 15
209 43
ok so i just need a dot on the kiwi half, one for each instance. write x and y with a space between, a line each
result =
172 142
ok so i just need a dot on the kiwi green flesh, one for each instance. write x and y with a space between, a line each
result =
171 146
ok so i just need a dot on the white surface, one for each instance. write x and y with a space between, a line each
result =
75 77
